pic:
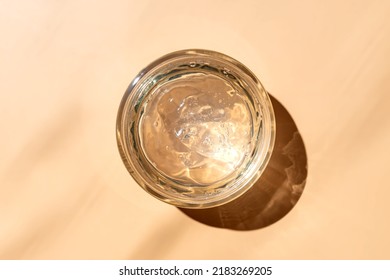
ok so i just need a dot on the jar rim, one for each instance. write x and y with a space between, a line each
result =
155 183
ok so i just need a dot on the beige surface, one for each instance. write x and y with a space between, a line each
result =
64 66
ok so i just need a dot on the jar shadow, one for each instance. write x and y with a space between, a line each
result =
275 193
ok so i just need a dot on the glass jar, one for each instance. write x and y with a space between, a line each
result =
195 128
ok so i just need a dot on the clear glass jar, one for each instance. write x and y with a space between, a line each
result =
195 128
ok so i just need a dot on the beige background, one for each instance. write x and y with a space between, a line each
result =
64 66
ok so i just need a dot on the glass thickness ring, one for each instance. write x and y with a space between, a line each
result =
195 128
